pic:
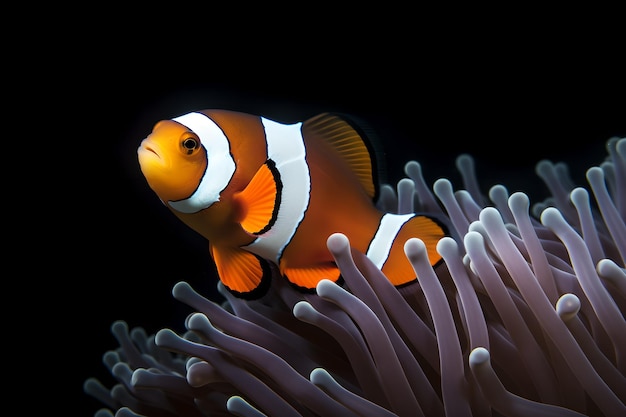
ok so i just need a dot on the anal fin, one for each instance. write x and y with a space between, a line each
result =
307 278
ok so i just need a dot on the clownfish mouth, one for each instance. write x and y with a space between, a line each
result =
147 150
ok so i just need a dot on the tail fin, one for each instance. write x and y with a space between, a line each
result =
395 265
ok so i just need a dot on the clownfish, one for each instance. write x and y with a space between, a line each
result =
265 192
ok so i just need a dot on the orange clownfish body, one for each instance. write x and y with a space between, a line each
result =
260 191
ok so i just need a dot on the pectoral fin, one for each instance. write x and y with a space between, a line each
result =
243 273
259 201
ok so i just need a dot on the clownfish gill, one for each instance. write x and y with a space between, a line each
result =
264 192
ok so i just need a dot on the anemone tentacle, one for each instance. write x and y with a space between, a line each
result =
526 315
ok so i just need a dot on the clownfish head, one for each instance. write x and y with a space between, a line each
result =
172 160
187 162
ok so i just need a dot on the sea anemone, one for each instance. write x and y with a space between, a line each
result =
525 316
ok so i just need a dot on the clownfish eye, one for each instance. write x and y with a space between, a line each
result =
190 144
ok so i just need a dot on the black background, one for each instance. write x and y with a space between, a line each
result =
509 98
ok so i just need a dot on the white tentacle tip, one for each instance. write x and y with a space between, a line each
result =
414 248
478 356
337 242
567 306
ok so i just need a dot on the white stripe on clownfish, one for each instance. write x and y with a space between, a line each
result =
380 246
285 147
220 166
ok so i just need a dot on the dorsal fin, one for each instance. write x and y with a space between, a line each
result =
353 141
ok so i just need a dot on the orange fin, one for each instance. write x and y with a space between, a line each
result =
260 199
243 273
397 267
350 144
307 278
